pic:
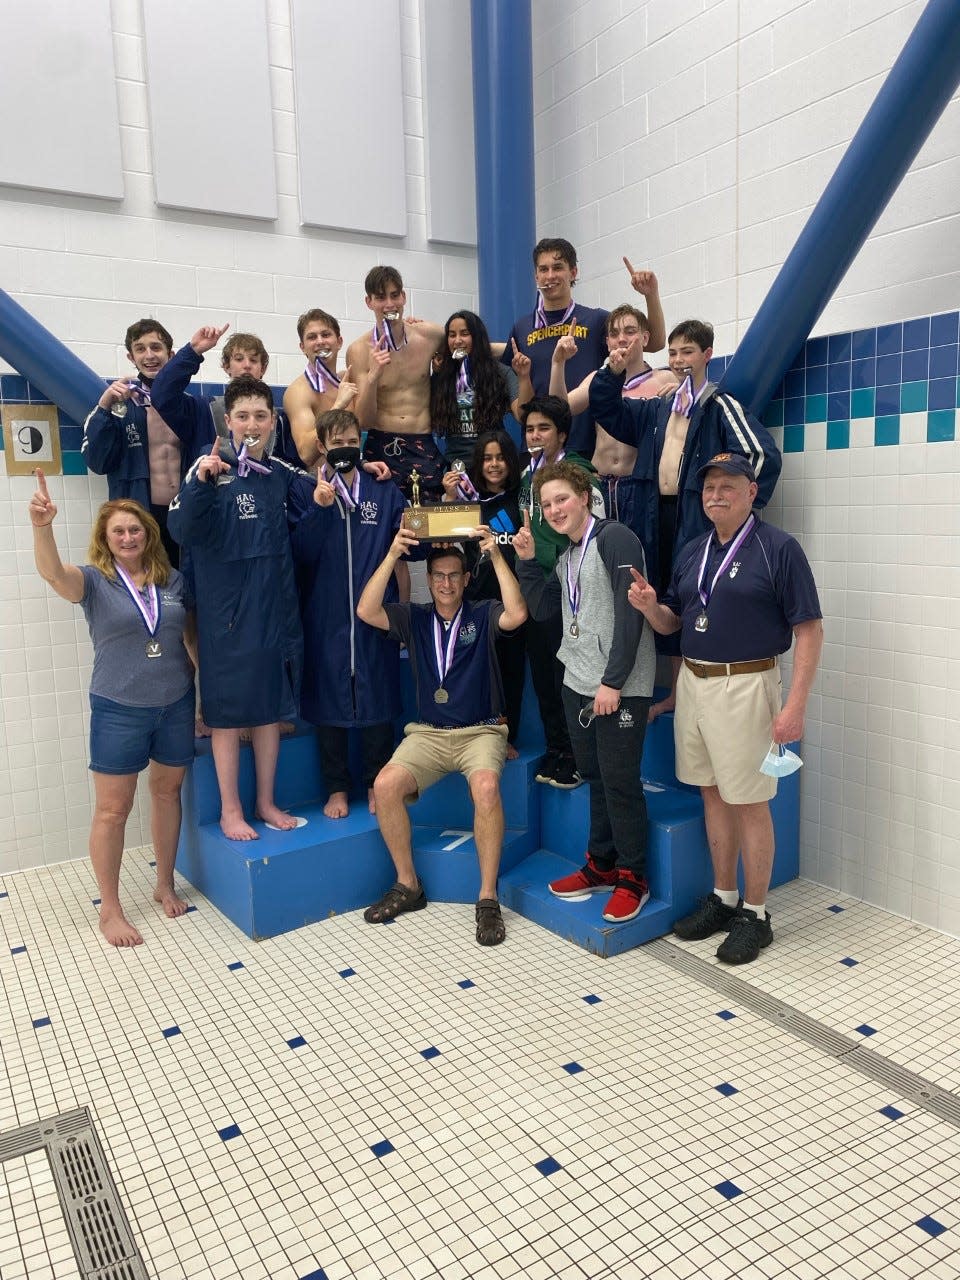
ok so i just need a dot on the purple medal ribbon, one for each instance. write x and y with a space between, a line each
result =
246 464
573 582
149 609
685 398
540 315
463 378
443 652
466 490
734 548
349 497
139 392
636 380
320 377
377 337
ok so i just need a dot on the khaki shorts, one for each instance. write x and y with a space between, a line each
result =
722 730
429 754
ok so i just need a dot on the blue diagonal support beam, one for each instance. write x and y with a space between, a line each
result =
45 362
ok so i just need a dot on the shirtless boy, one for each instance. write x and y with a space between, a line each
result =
319 387
391 366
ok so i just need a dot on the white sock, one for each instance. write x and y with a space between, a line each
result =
729 897
761 910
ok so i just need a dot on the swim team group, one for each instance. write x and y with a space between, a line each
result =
269 554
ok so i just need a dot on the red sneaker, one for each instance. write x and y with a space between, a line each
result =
589 879
628 899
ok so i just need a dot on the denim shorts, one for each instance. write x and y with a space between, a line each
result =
125 739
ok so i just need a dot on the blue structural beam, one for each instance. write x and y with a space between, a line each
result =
45 362
911 99
503 146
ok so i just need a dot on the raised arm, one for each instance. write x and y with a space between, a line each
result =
521 365
370 605
298 406
66 579
645 283
514 610
743 433
643 597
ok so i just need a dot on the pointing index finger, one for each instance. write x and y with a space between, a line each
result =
628 264
42 483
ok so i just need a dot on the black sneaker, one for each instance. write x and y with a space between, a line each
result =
746 939
710 917
545 766
565 774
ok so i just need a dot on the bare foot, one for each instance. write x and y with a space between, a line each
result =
118 930
276 817
658 708
173 906
286 728
371 800
512 752
337 806
235 827
200 727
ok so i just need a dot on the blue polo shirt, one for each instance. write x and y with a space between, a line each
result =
473 681
763 594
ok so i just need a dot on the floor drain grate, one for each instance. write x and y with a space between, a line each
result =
942 1103
99 1230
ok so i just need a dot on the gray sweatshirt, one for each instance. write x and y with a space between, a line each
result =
615 643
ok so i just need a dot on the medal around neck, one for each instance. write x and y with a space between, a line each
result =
779 762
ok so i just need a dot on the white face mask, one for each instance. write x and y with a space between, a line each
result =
779 762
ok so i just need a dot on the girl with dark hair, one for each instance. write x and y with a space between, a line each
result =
470 391
494 474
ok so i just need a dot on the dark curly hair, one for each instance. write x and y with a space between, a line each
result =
491 401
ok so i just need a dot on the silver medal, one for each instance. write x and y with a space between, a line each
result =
441 696
574 628
701 622
153 649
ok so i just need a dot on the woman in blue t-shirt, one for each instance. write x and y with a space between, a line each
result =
141 691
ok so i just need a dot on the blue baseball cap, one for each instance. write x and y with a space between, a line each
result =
735 464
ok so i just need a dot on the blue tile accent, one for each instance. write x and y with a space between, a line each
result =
886 430
945 328
849 961
815 382
430 1053
793 383
728 1090
728 1190
231 1131
189 909
591 999
73 464
793 439
889 339
941 426
887 400
839 347
17 951
773 414
4 894
41 1022
382 1148
71 438
889 369
916 365
466 984
725 1014
817 349
793 411
891 1113
943 393
835 909
800 359
913 397
96 901
237 964
863 344
296 1043
838 405
547 1166
319 1274
838 435
865 1029
572 1068
169 1032
348 973
931 1226
943 362
816 409
863 403
838 376
13 388
863 373
916 334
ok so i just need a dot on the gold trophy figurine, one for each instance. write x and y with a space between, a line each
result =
415 518
442 520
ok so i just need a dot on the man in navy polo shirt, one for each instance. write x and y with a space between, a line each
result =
738 597
459 727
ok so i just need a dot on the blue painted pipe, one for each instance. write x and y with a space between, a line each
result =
911 99
45 362
503 145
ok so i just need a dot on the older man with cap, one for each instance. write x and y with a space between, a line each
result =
738 597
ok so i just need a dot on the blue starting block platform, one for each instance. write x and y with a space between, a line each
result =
288 879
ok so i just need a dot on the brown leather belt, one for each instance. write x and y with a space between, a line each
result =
704 669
